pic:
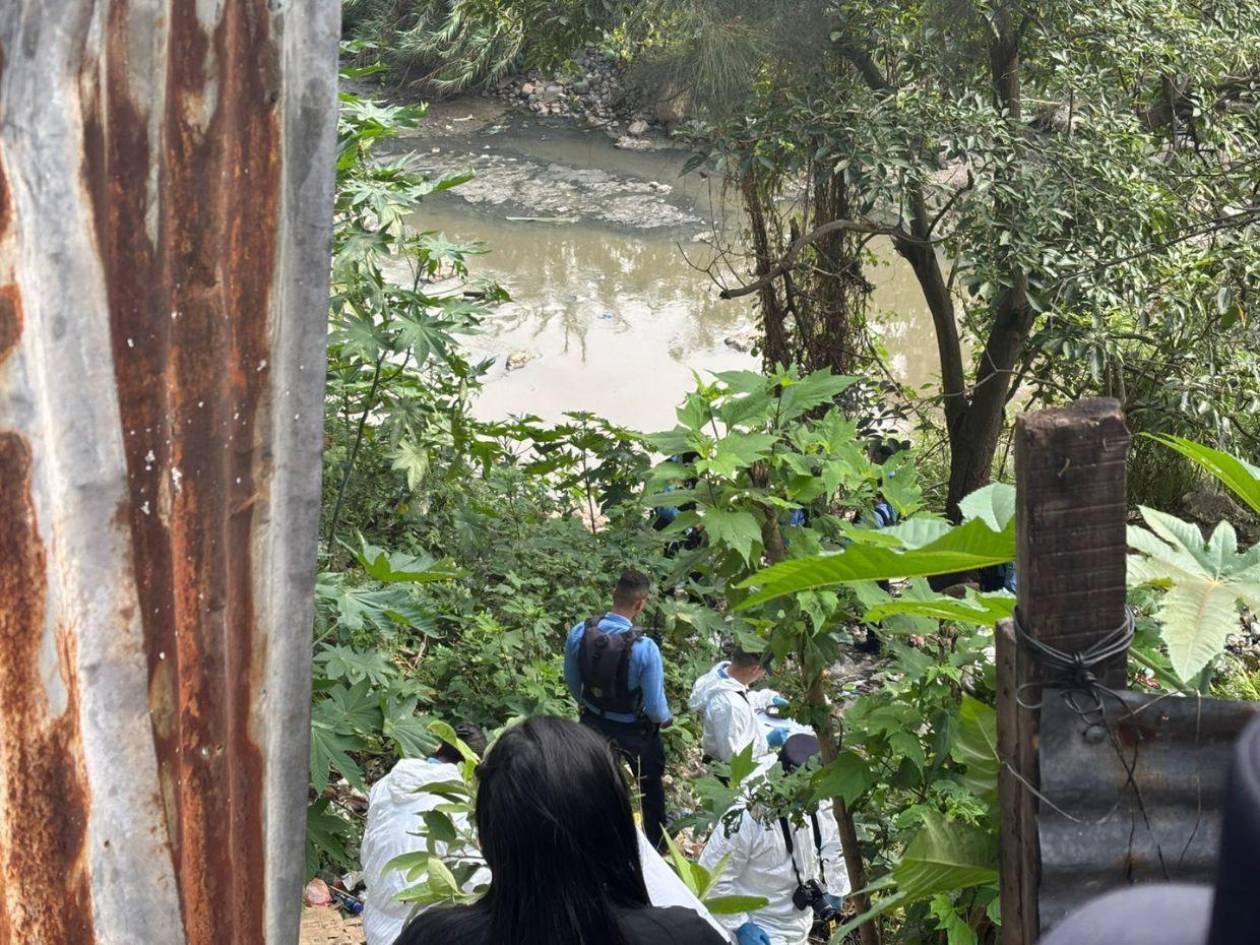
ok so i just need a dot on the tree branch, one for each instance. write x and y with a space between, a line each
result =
1242 218
953 198
788 261
865 66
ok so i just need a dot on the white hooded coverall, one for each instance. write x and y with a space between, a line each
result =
393 828
759 866
728 715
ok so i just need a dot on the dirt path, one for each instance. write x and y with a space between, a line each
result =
325 926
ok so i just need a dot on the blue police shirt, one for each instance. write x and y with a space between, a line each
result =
646 673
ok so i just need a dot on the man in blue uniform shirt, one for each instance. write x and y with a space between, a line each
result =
615 673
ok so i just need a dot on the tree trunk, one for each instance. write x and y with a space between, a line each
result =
974 441
974 435
974 432
921 255
829 740
839 288
773 315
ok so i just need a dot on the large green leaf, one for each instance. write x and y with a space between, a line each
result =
441 879
327 835
994 505
981 610
966 547
413 864
674 442
408 731
445 733
734 905
975 745
1204 582
330 748
957 931
847 778
344 662
945 856
742 765
396 567
339 724
413 459
737 451
809 392
439 827
1240 476
739 531
694 876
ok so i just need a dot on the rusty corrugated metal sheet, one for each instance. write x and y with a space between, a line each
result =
165 196
1147 801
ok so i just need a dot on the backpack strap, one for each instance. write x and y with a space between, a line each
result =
822 866
591 624
791 849
818 845
633 636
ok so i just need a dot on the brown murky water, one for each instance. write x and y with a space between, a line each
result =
611 309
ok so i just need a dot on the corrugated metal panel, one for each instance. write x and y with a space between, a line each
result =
1145 800
165 194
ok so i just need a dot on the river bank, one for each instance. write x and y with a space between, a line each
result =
612 259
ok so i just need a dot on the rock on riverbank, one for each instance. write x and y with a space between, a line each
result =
591 90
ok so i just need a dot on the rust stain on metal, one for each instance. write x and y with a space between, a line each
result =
188 307
44 797
45 801
10 318
10 300
1145 800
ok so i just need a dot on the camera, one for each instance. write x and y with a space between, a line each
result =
811 895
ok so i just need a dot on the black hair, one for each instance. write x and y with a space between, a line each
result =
471 735
631 588
742 659
556 829
881 450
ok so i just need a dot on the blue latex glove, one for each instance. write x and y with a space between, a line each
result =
835 902
750 933
777 737
780 702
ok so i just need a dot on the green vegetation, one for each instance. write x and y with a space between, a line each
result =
1075 189
446 46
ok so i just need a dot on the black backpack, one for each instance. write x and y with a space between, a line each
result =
604 662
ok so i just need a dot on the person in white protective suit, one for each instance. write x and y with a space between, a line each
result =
798 869
395 827
728 709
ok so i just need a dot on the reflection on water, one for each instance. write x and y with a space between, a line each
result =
901 318
613 319
613 323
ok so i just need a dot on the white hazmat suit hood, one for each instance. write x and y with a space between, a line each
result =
728 715
393 822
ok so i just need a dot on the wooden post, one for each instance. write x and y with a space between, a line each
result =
1070 562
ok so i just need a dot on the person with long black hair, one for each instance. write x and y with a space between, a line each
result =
556 829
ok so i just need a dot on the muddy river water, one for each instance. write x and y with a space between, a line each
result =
612 308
